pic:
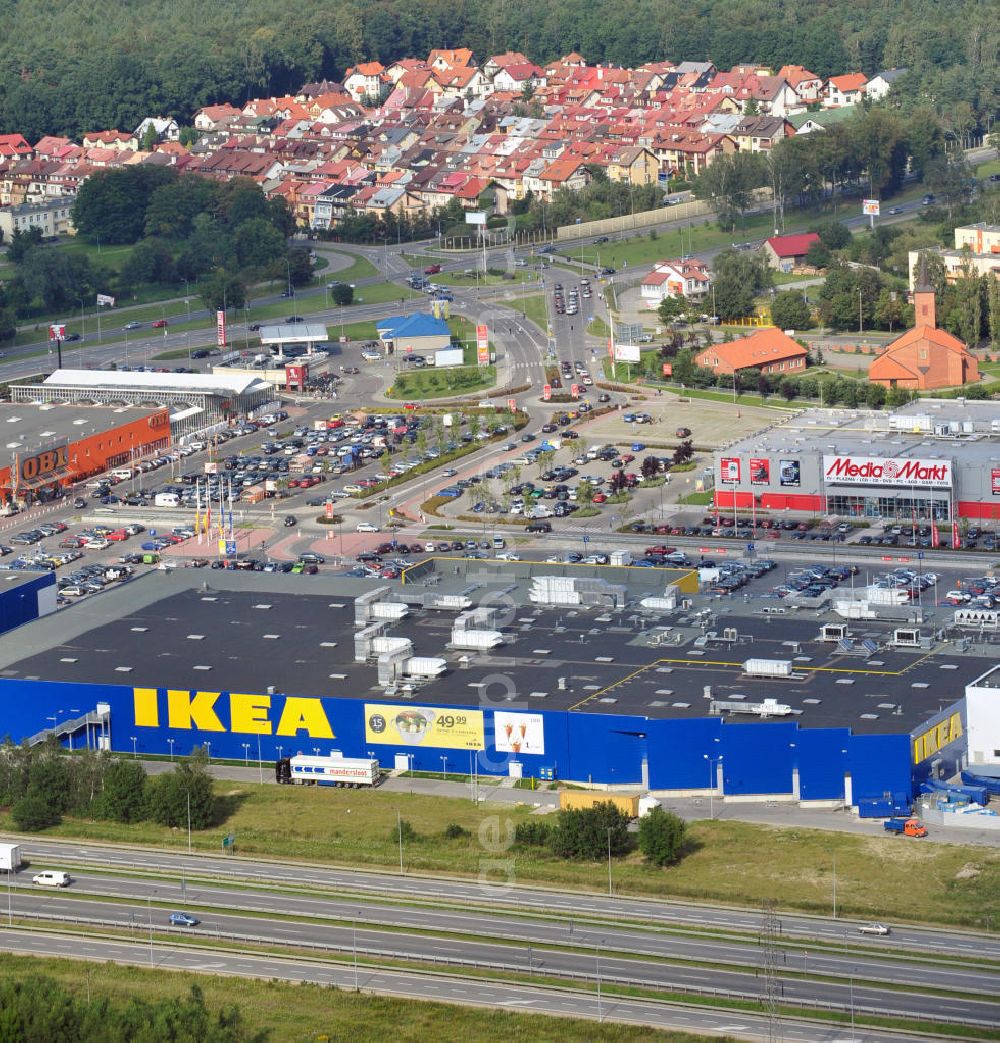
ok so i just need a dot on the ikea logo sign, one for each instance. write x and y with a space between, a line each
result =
239 713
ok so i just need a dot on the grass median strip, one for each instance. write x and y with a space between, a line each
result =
727 862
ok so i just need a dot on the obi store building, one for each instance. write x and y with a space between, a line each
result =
931 460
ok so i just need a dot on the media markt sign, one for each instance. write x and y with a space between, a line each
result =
870 470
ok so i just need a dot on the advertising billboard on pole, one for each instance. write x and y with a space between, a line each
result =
483 344
220 328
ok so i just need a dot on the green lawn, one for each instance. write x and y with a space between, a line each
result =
533 307
103 256
878 877
292 1013
598 327
359 268
423 384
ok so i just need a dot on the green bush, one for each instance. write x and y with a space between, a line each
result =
533 833
405 830
169 795
453 831
583 833
34 812
662 836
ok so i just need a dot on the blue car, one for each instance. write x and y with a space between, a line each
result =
183 920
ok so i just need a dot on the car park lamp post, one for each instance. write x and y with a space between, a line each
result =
208 751
134 741
444 767
170 743
246 754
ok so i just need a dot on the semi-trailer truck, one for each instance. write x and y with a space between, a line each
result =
10 857
351 772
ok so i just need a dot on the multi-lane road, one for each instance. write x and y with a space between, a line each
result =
569 940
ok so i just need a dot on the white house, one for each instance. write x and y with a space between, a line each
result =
844 91
165 127
881 83
687 277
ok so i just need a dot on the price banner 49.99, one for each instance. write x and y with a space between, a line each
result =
424 726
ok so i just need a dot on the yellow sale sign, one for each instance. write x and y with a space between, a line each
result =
424 726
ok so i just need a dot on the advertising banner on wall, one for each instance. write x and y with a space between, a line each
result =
729 470
995 481
518 732
790 473
760 471
424 726
871 470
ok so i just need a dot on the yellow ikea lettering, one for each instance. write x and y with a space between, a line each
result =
193 710
937 737
145 709
248 713
304 714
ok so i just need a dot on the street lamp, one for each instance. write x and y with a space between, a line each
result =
208 750
444 767
135 739
170 743
246 754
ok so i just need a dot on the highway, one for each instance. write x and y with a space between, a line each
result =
415 985
643 942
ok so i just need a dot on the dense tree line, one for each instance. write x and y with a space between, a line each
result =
112 65
34 1009
594 834
42 783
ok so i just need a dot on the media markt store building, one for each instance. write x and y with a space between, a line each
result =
896 488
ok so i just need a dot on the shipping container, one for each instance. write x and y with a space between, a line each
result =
575 799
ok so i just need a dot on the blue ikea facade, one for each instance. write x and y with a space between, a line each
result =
689 754
26 597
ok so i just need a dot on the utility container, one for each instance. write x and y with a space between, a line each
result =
480 640
576 799
768 668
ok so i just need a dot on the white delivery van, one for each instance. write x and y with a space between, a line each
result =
52 878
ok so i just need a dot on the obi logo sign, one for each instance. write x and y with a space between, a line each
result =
41 464
237 712
869 470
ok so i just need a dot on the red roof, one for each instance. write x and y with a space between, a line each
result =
792 245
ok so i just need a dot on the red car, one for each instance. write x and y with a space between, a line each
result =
160 324
432 269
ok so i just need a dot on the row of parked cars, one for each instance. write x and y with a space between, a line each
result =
812 581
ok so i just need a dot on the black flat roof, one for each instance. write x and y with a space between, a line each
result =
236 634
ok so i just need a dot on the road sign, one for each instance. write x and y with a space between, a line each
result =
152 532
546 392
586 539
230 546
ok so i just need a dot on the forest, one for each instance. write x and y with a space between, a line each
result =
68 67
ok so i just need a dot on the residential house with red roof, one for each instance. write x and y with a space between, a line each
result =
785 252
844 91
767 350
215 117
14 146
808 87
682 277
364 82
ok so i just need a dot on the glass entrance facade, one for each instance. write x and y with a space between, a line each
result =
901 506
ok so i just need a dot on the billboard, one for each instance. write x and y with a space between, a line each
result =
483 344
668 369
626 353
475 217
546 392
870 207
57 332
447 729
898 470
449 357
790 473
105 300
220 328
518 732
995 481
760 471
729 470
296 376
574 390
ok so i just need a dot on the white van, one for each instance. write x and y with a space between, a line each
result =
123 474
52 878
